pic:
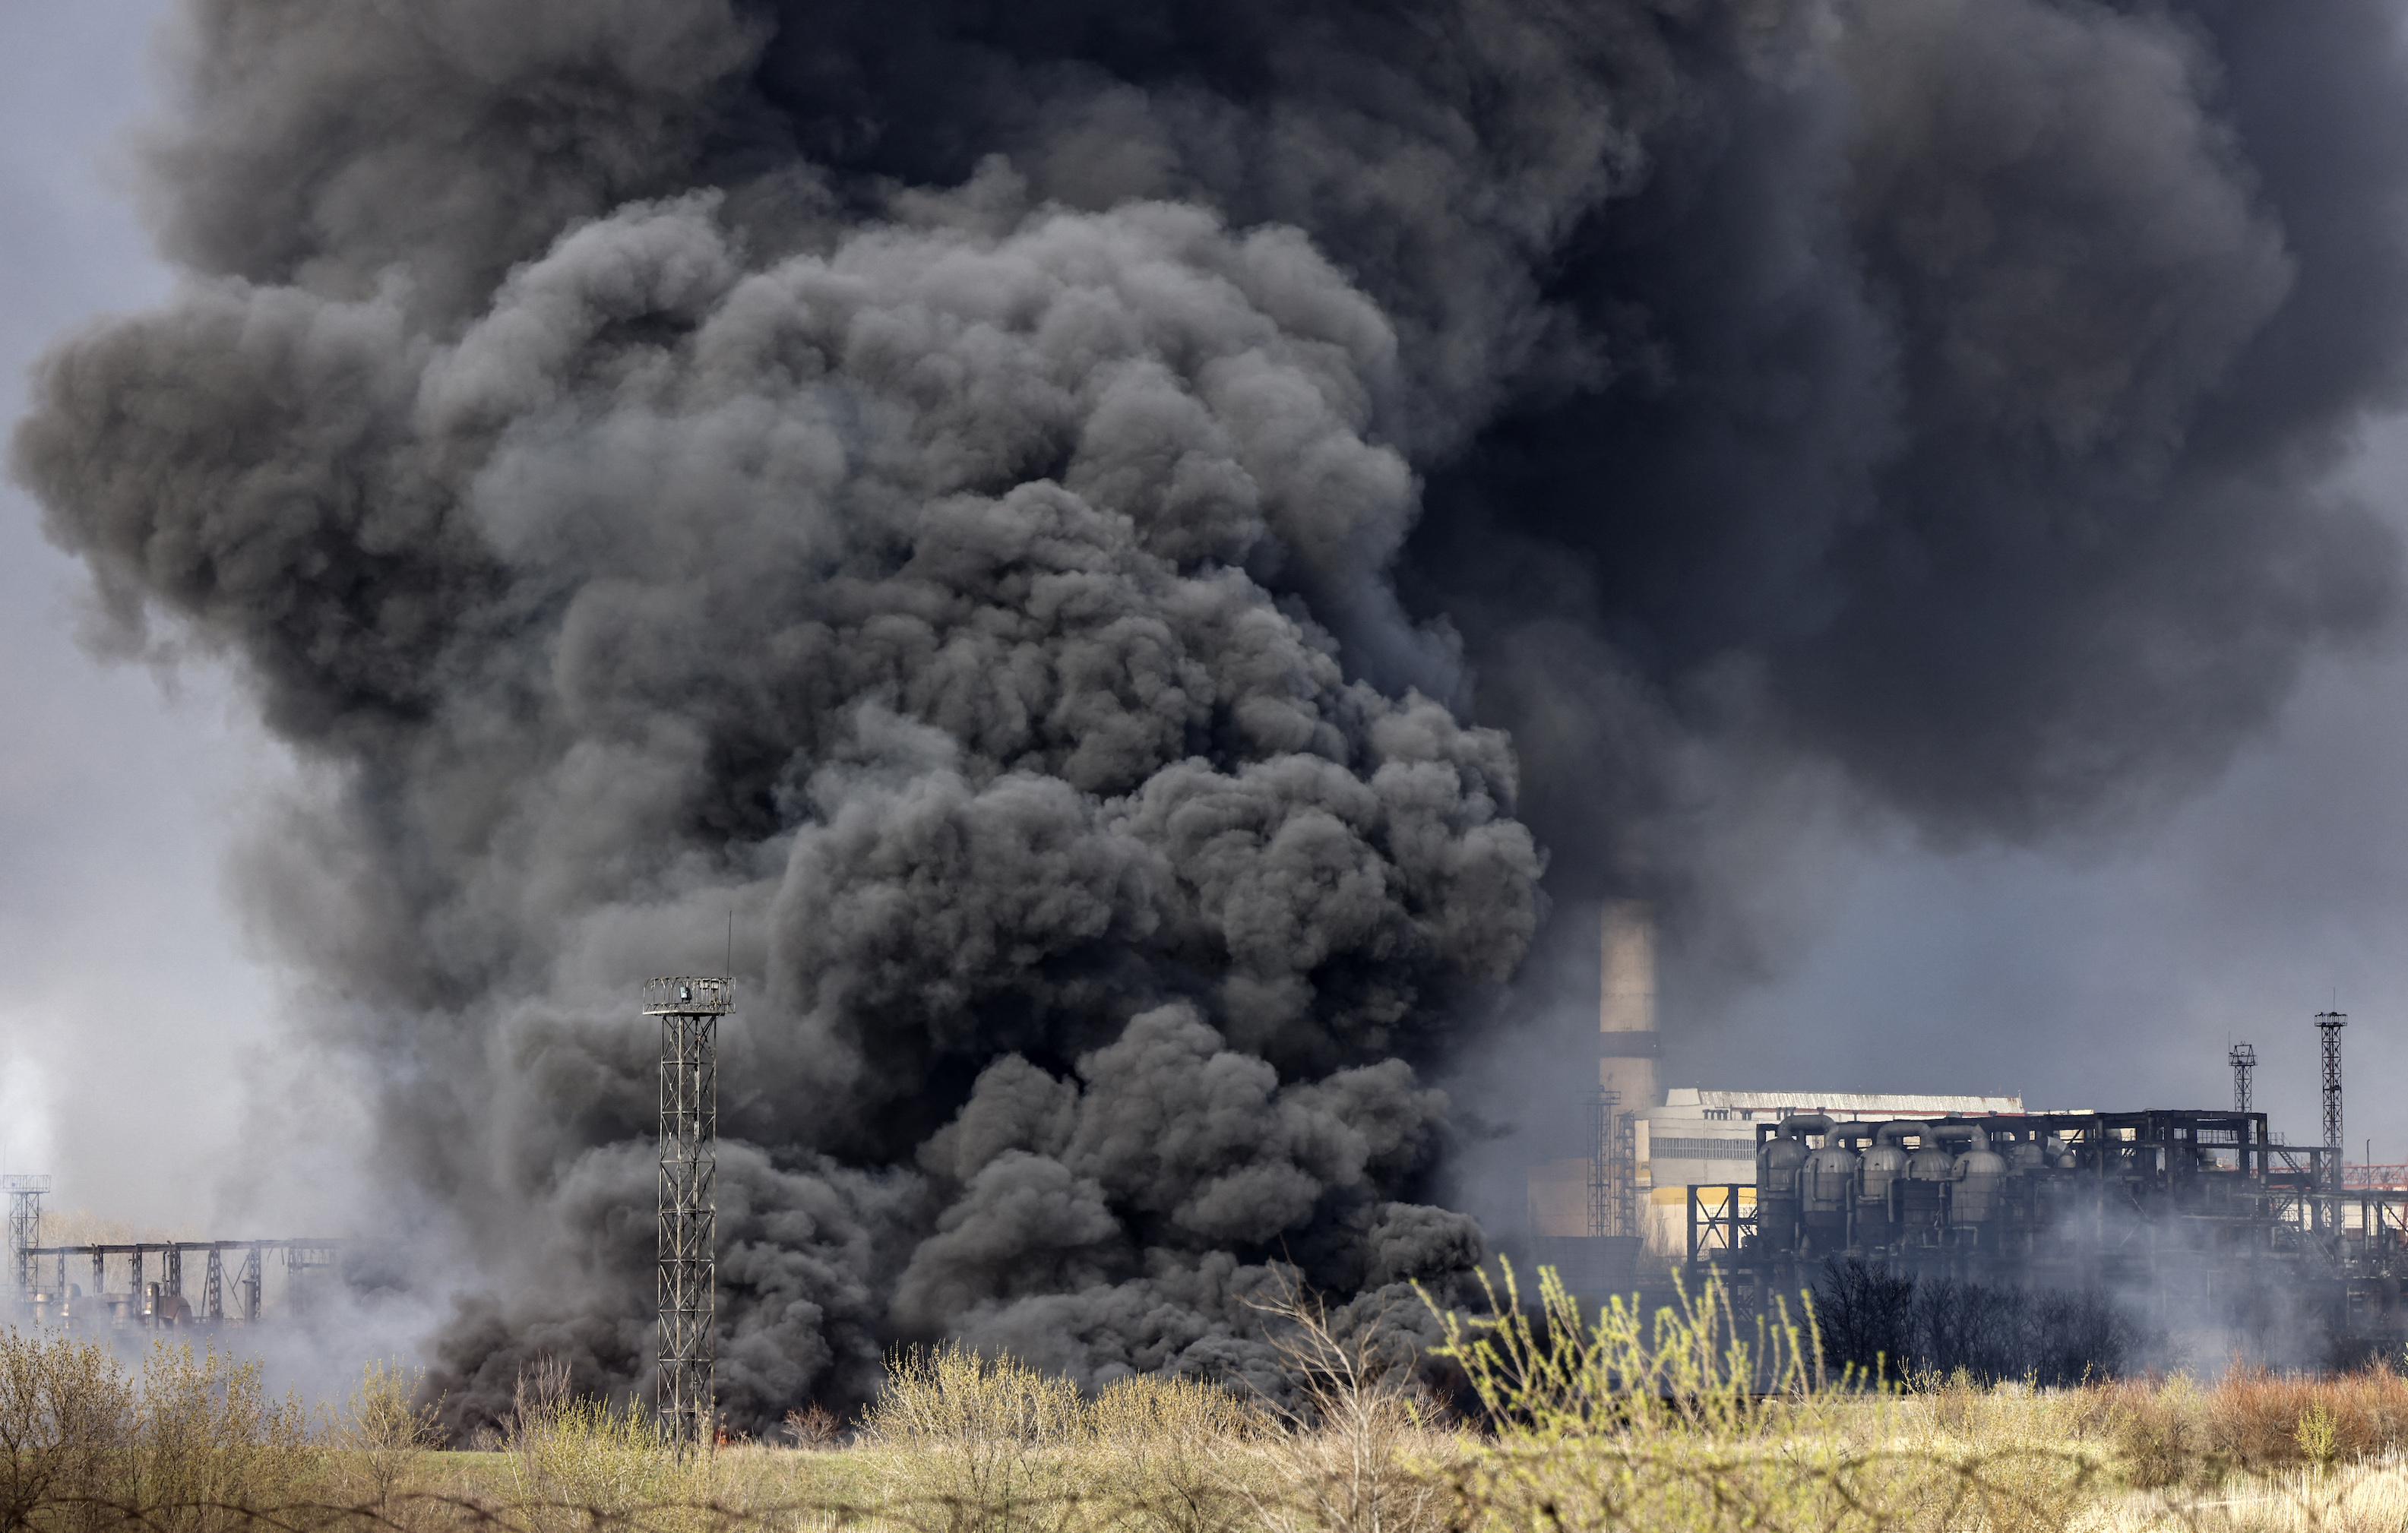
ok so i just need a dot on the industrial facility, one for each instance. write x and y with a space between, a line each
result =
141 1284
2201 1211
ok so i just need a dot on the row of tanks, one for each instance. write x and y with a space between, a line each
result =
1828 1185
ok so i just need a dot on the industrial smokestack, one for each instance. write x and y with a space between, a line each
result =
1628 1045
1627 1049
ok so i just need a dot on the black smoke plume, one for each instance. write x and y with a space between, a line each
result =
1120 541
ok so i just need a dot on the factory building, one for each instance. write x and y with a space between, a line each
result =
1708 1138
2202 1209
1647 1143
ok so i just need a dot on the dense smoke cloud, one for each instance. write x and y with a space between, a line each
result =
1099 533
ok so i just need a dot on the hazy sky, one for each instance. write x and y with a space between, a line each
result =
130 1006
2101 974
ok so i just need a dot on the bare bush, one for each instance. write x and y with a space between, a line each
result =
813 1426
580 1462
1360 1450
983 1438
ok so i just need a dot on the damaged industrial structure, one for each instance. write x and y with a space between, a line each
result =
141 1284
2198 1214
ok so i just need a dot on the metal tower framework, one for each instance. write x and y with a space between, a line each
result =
301 1258
1602 1202
2243 1057
689 1008
2329 1024
24 1226
1625 1158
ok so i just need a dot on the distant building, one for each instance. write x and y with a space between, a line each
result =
1592 1216
1707 1137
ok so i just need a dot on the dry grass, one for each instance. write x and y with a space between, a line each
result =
1689 1419
2252 1419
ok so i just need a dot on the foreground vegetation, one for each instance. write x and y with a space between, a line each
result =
1548 1419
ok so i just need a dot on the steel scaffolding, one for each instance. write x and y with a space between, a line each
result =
1602 1202
689 1008
24 1227
2329 1024
137 1303
1625 1161
2243 1057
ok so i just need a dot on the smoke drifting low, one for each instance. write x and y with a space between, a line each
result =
1136 548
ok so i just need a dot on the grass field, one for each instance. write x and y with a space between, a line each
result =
1682 1420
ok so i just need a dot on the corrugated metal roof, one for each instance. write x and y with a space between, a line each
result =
1839 1103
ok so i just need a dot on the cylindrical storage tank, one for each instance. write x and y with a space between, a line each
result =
1980 1173
1828 1185
1934 1162
1921 1193
1828 1182
1880 1165
2026 1155
1778 1162
1886 1162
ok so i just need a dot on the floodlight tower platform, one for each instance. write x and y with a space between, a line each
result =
2328 1025
689 1008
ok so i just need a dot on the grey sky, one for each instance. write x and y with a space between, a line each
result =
130 1004
2103 974
2114 975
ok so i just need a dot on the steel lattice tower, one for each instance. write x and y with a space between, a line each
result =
1601 1180
2330 1023
2243 1057
24 1227
689 1010
1626 1157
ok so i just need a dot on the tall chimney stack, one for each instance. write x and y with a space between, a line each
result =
1627 1040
